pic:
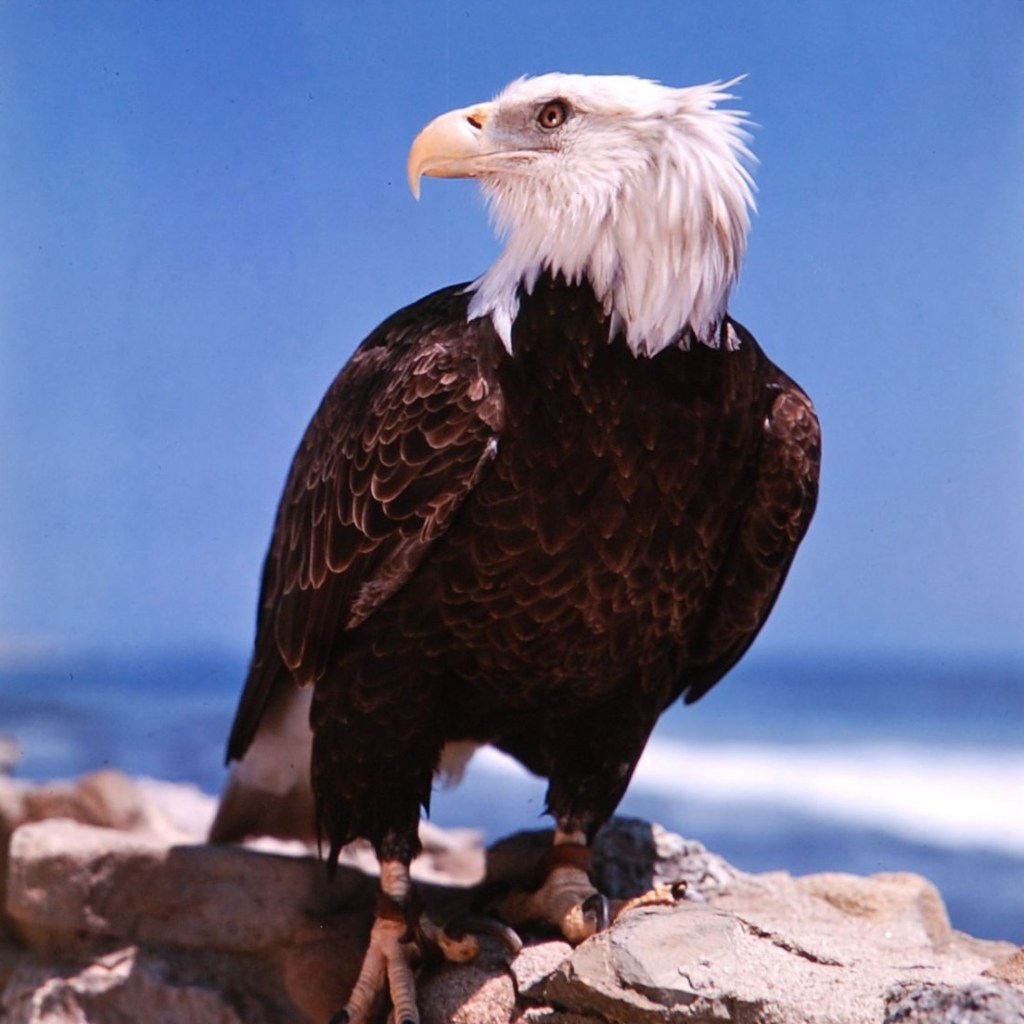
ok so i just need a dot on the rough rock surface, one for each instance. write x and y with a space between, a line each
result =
116 911
980 1002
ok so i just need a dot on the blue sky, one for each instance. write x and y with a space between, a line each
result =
203 209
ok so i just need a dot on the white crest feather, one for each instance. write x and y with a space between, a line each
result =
645 194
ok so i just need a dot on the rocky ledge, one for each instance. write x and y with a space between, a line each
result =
115 911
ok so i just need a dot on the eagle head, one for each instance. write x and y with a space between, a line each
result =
640 189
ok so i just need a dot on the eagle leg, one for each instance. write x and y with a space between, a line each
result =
402 935
565 897
388 963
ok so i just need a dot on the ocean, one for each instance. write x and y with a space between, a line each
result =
804 764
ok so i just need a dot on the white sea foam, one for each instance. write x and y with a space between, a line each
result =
968 797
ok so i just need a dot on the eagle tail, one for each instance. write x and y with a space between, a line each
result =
268 792
246 812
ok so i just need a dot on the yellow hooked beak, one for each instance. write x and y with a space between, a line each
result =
454 145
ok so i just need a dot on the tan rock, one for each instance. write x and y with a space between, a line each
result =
70 881
838 918
468 994
12 814
547 1015
978 1002
129 923
534 965
118 986
105 798
820 950
1010 970
632 857
318 976
888 901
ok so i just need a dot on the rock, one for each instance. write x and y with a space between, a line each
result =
12 814
632 857
125 984
1010 970
109 799
116 912
264 925
68 880
820 950
468 994
130 984
545 1015
106 799
979 1002
535 964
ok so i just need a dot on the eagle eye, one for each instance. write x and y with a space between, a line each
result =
553 114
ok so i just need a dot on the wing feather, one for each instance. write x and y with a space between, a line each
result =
775 521
402 436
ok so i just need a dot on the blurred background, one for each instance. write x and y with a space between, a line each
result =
203 209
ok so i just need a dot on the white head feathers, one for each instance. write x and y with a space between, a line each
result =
638 188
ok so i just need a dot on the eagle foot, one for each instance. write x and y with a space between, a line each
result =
566 899
402 938
388 962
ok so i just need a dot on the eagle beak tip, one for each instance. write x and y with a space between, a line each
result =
413 177
448 147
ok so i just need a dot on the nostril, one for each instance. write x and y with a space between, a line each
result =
475 121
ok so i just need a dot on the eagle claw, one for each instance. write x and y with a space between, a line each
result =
597 911
459 927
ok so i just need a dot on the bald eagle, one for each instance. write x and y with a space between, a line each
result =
534 510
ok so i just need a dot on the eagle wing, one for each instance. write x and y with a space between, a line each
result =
785 493
402 436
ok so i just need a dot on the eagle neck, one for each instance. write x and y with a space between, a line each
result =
557 313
